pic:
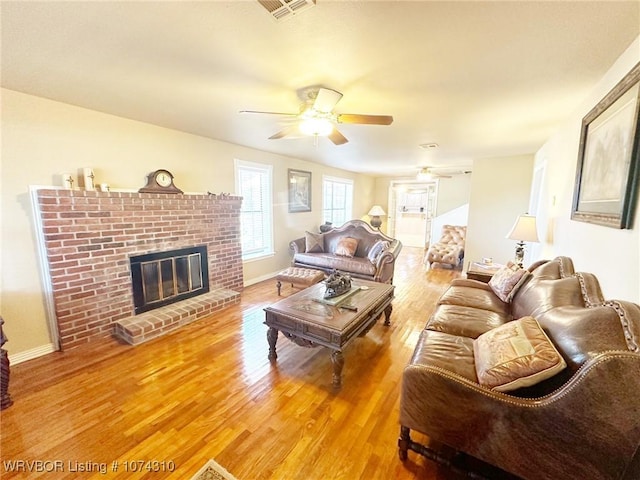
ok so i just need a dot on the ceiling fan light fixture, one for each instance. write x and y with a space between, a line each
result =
317 118
429 146
424 175
316 126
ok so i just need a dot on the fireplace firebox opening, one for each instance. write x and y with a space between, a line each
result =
162 278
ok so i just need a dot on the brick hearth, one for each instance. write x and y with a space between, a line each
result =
149 325
89 237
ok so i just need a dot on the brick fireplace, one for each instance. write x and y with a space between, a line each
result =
89 237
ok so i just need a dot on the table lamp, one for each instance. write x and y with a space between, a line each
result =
524 230
375 213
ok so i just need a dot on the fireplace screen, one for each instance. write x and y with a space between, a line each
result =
162 278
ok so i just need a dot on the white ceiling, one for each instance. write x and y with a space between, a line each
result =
478 78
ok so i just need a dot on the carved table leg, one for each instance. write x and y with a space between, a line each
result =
279 286
272 338
338 362
387 315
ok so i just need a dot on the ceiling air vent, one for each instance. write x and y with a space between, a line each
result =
281 9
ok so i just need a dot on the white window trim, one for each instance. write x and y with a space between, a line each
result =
268 169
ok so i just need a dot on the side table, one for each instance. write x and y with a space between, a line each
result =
482 272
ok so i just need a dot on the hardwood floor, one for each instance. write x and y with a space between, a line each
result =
209 391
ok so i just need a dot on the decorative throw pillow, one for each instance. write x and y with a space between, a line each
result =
347 247
515 355
377 249
506 281
314 242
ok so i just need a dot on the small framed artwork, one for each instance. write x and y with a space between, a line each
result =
606 184
299 191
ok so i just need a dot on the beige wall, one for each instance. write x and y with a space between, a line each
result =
612 255
453 193
499 193
381 197
42 139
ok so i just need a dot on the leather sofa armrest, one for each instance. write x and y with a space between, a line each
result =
590 288
394 248
298 245
385 263
588 428
629 315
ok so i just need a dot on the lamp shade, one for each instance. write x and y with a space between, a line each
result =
376 211
524 229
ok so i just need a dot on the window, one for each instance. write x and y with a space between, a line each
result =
253 184
337 200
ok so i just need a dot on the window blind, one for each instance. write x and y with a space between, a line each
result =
337 200
253 184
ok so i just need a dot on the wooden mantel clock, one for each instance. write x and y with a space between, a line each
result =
160 181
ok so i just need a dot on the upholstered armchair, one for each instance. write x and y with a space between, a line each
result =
450 248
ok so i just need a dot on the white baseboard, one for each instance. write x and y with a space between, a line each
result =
262 278
31 354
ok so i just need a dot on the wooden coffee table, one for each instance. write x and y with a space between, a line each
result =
310 323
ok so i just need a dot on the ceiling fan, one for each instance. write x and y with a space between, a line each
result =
317 118
430 173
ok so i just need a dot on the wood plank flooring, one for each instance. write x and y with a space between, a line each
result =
209 391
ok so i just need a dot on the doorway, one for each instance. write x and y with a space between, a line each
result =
412 206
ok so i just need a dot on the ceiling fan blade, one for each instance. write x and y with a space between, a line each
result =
326 100
365 119
337 138
270 113
428 173
291 131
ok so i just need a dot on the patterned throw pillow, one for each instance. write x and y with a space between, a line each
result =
314 242
515 355
347 247
506 282
377 249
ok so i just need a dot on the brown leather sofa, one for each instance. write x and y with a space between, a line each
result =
581 423
374 257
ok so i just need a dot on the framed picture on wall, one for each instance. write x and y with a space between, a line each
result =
609 157
299 183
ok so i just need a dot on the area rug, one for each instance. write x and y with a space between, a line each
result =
213 471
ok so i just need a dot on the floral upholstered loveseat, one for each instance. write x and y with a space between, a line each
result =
354 248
